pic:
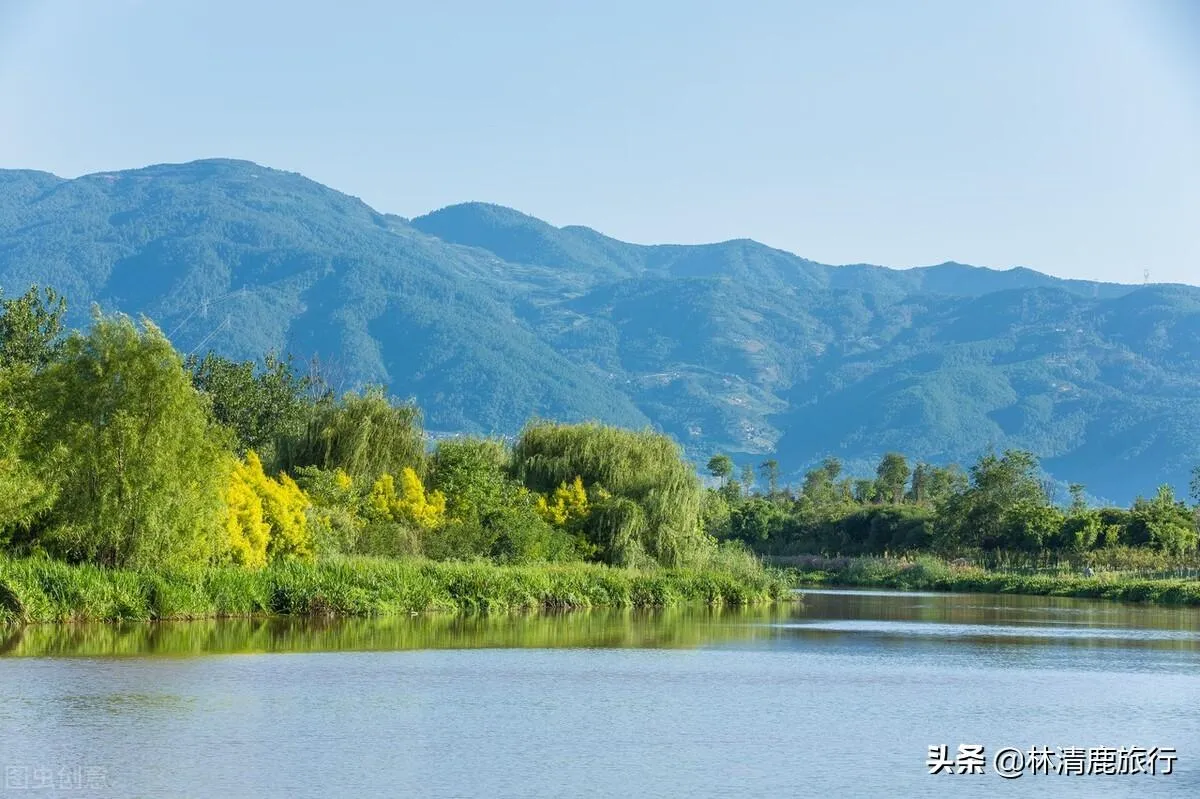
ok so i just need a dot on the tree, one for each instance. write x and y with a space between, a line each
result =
30 327
652 496
865 491
754 520
137 462
472 473
24 495
260 405
410 504
721 467
715 514
1031 526
944 482
366 435
820 488
1164 523
1195 486
770 470
892 475
1078 497
920 484
748 478
266 518
1081 531
979 516
933 484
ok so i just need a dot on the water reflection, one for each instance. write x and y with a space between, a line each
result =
668 628
890 616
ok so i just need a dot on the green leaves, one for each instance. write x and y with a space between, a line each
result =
128 444
30 327
654 496
259 405
366 435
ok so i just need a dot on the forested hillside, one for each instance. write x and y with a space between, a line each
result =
486 316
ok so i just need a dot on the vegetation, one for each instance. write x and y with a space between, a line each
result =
122 463
932 574
997 513
131 487
733 346
42 590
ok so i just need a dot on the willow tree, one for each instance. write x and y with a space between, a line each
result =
24 495
137 462
30 330
365 435
648 497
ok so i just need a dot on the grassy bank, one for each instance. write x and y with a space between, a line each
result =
39 590
931 574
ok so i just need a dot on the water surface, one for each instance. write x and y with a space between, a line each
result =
838 696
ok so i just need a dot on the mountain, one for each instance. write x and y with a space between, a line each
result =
487 316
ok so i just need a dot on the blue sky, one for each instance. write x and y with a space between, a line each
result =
1063 135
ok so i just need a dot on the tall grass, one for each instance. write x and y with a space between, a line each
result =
37 590
932 574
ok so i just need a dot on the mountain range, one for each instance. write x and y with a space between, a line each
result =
488 317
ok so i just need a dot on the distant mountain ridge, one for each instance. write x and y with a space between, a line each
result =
488 316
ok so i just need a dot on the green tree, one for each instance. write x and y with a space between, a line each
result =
366 435
1164 524
942 483
472 473
1078 497
865 491
715 514
652 496
978 516
24 495
770 471
820 487
892 475
1081 531
755 520
721 467
30 330
30 327
933 484
137 460
260 405
748 478
1031 526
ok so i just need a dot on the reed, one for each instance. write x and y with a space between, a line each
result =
932 574
41 590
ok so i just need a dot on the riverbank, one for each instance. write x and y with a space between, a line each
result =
931 574
38 590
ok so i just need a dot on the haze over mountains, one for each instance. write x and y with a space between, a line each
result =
487 317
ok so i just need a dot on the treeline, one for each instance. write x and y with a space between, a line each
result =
999 505
115 450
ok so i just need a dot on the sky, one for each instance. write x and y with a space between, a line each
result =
1060 135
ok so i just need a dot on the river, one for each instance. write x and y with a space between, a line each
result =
841 695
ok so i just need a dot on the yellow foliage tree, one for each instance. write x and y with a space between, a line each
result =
568 504
411 504
248 532
266 519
